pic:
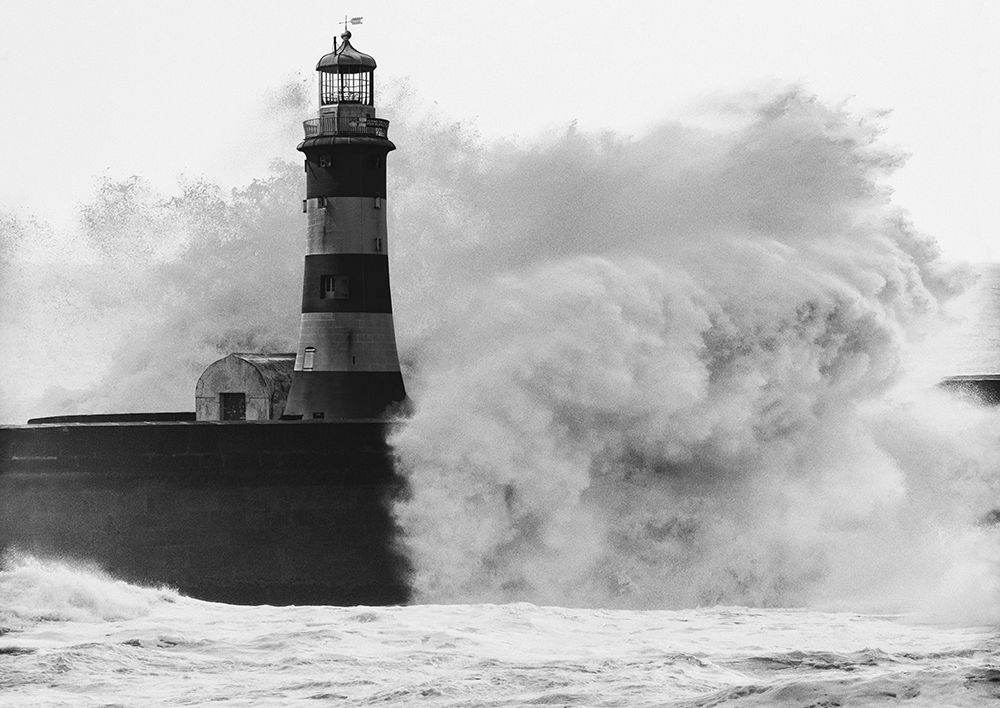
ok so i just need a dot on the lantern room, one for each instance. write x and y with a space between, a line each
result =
346 76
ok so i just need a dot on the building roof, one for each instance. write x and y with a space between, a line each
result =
274 371
345 59
270 366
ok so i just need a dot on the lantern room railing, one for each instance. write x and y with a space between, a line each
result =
370 127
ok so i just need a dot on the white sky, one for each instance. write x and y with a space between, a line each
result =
159 89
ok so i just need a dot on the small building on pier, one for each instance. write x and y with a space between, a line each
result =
244 387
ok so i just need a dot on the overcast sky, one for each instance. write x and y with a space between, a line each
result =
161 89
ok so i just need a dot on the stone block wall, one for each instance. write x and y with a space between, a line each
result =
270 512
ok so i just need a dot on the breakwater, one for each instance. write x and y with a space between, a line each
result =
252 513
982 388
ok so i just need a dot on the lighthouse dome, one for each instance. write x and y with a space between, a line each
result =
345 59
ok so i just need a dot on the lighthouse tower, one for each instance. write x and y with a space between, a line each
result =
346 365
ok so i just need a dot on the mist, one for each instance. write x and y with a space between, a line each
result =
663 370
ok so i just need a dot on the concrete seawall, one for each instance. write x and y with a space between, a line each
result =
270 512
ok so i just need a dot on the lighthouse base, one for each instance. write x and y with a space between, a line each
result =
343 394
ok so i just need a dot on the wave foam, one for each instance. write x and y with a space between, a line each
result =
34 590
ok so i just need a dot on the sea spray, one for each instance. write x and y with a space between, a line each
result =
154 289
667 382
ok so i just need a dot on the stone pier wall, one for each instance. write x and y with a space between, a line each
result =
269 512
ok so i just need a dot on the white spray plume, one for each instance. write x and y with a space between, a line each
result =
658 369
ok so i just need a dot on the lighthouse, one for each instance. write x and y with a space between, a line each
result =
346 365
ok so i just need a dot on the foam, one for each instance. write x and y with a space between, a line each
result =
45 589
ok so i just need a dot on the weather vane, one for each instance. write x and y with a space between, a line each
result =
351 21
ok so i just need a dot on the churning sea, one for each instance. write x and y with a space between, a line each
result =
78 638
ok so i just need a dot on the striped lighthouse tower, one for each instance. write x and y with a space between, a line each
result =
346 365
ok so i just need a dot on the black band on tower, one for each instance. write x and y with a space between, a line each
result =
346 171
346 282
348 394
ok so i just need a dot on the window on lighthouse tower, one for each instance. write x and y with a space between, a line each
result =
337 287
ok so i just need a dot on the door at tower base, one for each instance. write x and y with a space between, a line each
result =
345 394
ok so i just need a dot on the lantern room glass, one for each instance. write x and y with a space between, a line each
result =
346 88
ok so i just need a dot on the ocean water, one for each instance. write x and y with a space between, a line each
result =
75 637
